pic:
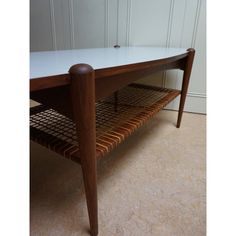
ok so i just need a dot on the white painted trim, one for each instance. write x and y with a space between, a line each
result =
168 36
53 24
117 22
199 95
106 27
196 21
72 27
170 22
182 30
129 21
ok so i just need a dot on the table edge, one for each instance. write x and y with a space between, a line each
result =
64 79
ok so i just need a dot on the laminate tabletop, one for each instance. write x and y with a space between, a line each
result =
50 63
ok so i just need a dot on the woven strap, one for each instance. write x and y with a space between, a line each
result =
114 123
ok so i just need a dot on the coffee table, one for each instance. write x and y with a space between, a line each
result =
89 102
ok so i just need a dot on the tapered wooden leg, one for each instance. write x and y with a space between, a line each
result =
83 104
185 83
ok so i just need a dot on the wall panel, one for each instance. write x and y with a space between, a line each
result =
89 23
40 26
112 16
62 24
149 22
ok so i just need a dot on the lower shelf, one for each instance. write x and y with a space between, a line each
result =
116 119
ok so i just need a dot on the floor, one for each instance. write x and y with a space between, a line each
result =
153 184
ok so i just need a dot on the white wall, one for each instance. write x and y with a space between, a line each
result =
66 24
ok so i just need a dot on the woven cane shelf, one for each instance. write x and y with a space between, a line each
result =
116 119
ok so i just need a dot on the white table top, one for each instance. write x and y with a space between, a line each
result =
48 63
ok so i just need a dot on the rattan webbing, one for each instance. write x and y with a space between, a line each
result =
136 104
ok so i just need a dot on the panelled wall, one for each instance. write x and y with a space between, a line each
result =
67 24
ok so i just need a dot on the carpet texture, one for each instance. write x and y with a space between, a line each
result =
153 184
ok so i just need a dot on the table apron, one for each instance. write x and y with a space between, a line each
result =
59 97
105 86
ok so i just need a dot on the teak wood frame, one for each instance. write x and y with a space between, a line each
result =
76 93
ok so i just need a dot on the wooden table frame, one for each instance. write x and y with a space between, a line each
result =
80 106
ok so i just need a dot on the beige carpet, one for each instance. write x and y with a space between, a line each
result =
154 184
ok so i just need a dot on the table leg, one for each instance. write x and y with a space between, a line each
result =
185 83
83 103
